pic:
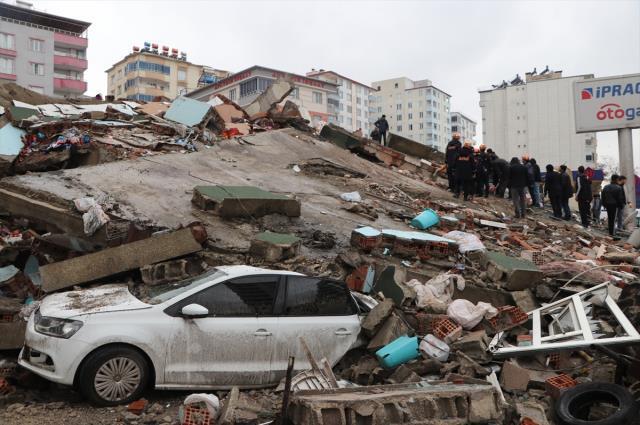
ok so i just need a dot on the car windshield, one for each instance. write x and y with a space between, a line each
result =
161 293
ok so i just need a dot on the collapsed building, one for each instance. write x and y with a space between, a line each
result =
475 317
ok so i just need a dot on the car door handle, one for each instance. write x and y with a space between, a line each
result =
262 332
342 331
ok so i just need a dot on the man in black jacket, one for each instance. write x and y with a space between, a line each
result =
583 196
620 213
537 180
518 182
483 166
500 168
465 167
383 126
567 192
453 149
613 198
553 188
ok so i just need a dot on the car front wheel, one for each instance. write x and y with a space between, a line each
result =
113 375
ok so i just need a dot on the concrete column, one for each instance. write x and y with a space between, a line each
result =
625 152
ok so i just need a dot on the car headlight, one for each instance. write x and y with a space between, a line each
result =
52 326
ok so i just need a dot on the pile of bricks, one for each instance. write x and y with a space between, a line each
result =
447 330
556 384
508 317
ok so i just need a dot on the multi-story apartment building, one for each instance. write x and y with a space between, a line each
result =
535 116
349 107
153 72
464 125
415 109
42 52
310 94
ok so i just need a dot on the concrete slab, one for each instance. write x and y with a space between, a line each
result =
189 112
275 246
243 201
275 94
90 267
517 273
413 148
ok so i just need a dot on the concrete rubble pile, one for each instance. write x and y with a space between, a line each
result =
474 317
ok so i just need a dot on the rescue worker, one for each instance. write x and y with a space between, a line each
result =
465 167
518 182
500 168
483 165
531 174
567 191
537 179
453 149
613 199
553 188
583 196
383 126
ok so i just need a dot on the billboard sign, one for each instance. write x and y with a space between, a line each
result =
610 103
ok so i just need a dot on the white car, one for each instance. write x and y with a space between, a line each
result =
235 325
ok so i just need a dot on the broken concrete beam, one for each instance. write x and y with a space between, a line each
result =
340 137
514 377
243 201
410 147
275 94
275 246
474 345
518 274
189 112
416 403
388 284
171 271
110 261
376 317
403 374
393 328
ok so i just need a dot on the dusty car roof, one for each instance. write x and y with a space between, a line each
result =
248 270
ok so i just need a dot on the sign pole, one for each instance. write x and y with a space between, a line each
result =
625 152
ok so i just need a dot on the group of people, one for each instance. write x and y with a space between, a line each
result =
473 171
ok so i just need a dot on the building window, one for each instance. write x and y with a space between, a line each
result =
409 105
295 93
248 87
410 127
410 115
454 118
147 66
378 88
6 65
317 97
454 128
379 108
349 109
358 100
396 85
399 106
37 68
366 102
358 111
36 45
348 87
233 93
421 114
130 83
589 158
7 41
398 117
421 126
37 89
182 74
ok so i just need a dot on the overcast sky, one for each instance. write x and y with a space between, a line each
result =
459 45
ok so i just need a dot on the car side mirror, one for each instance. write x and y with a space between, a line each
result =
194 311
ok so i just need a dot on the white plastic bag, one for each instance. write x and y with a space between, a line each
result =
437 292
466 241
433 348
84 204
467 315
351 197
94 219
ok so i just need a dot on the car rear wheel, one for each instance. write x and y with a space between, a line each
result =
113 375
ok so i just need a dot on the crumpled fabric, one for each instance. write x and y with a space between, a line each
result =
466 241
467 315
436 294
84 204
94 219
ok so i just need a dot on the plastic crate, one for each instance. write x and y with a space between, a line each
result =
556 384
447 330
194 415
508 317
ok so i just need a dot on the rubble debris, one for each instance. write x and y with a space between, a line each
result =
518 274
418 150
189 112
597 403
243 201
277 91
275 246
531 412
392 329
468 315
377 316
437 401
110 261
436 294
12 327
432 348
340 137
171 271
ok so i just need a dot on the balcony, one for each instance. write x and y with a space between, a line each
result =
69 62
69 85
67 40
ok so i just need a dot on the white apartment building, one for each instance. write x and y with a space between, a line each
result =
349 107
415 109
535 116
464 125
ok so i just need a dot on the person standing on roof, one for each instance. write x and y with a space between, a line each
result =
451 155
483 165
518 182
465 167
383 126
567 192
613 198
553 188
583 196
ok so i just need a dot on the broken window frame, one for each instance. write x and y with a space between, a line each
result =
577 309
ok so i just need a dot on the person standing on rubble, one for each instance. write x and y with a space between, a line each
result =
500 168
567 192
531 175
465 167
583 196
620 213
613 198
537 181
453 149
553 188
383 126
518 181
483 165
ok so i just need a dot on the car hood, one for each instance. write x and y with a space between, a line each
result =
102 299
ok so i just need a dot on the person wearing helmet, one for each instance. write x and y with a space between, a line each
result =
453 149
483 167
465 167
